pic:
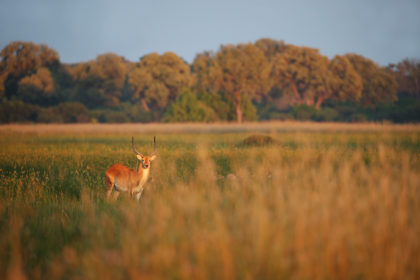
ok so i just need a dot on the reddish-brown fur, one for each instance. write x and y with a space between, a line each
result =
123 179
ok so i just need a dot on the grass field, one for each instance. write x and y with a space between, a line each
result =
326 201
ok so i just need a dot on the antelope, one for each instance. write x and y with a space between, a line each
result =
123 179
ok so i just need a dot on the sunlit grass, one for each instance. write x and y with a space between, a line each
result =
318 204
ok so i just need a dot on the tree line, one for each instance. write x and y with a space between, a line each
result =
265 80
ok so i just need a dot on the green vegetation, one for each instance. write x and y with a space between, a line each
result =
265 80
326 201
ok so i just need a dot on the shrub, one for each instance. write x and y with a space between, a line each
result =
49 115
72 112
188 108
218 102
17 111
350 112
326 115
303 112
407 109
248 109
113 117
224 107
136 113
359 117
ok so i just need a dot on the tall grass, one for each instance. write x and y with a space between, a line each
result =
317 205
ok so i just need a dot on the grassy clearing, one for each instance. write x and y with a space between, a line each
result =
321 203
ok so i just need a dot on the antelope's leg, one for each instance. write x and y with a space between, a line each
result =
110 186
115 195
138 195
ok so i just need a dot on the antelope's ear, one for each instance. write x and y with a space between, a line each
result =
139 157
152 157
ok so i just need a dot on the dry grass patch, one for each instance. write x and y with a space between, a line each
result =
326 205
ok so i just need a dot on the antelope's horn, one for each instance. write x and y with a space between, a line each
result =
134 148
154 146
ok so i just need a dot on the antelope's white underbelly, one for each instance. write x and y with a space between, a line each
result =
118 188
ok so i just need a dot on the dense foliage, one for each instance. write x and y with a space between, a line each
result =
267 79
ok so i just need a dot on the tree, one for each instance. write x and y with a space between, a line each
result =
270 47
158 79
379 85
20 59
41 79
13 111
341 82
36 88
238 71
188 108
66 112
303 73
407 74
201 75
100 82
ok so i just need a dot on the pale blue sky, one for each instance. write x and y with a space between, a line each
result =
386 31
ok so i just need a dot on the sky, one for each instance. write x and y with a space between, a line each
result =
386 31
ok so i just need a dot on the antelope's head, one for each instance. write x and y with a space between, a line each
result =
145 160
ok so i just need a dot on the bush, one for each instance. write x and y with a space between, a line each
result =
72 112
33 95
248 109
218 102
303 112
326 115
409 113
109 116
18 111
136 113
223 106
125 112
349 112
67 112
188 108
406 109
359 117
49 115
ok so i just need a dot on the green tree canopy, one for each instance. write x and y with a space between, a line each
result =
158 79
100 82
407 74
341 83
379 85
188 108
19 59
37 88
41 79
271 47
237 71
303 73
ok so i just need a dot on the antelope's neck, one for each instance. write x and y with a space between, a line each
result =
144 173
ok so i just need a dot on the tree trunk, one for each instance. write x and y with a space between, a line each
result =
319 102
296 92
237 95
144 104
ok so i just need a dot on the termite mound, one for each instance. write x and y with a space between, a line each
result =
259 140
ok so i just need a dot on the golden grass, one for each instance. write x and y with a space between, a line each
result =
322 204
268 127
